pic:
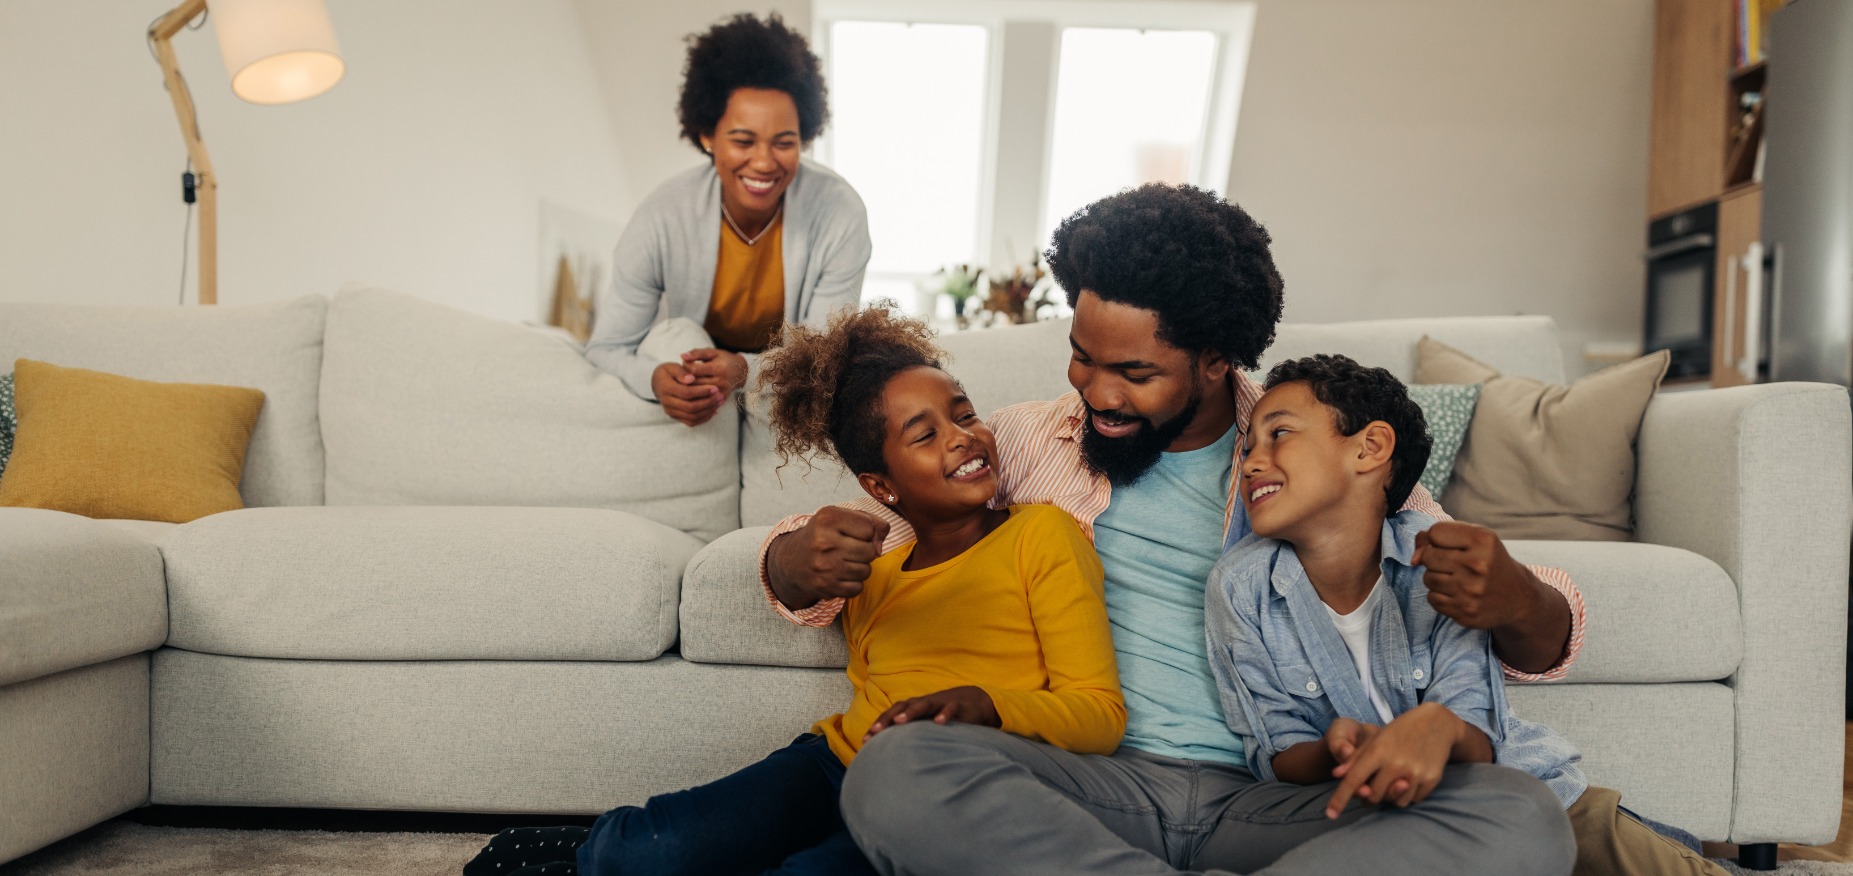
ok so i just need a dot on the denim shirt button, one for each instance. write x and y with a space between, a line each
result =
1418 675
1312 687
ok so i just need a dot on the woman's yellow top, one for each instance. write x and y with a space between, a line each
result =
1021 615
748 305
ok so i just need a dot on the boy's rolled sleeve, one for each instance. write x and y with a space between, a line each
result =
1255 703
1465 676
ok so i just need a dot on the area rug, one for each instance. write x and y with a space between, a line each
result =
119 848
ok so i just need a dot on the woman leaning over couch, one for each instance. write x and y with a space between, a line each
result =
729 252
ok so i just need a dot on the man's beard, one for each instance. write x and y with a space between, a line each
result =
1123 461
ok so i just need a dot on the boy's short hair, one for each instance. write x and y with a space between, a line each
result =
1358 396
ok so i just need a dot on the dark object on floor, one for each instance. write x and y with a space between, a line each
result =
525 850
1757 856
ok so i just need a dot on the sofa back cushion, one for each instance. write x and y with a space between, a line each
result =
424 404
275 348
1006 366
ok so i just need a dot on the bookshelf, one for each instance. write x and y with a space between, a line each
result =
1706 132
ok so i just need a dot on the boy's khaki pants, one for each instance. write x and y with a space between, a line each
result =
1610 843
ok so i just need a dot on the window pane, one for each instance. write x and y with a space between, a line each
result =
1130 108
907 130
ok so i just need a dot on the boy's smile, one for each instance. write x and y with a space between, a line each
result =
1293 464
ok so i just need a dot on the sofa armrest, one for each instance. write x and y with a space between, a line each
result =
1760 480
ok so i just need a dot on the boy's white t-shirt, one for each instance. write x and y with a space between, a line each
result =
1355 629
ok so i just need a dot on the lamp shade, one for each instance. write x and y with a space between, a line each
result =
277 51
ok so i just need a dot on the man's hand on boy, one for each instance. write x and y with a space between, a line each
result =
1402 763
1345 737
1472 579
966 705
826 558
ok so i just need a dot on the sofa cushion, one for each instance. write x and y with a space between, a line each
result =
1519 346
275 348
445 583
727 619
107 446
1656 614
74 592
424 404
1544 460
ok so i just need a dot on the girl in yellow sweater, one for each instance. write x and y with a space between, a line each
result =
992 616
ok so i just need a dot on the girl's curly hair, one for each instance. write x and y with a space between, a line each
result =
747 52
826 385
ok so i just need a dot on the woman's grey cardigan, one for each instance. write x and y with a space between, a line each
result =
666 257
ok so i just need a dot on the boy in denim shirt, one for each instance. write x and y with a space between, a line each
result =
1331 662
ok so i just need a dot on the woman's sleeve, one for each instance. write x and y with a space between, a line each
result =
628 307
845 250
1082 711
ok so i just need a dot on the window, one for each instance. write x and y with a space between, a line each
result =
972 127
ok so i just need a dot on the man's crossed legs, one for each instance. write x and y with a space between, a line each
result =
927 799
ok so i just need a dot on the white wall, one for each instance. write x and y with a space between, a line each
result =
638 49
424 170
1429 157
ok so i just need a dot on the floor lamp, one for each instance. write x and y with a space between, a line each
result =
276 51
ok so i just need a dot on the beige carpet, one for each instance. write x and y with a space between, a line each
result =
120 848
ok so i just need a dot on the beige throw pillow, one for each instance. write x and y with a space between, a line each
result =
1545 461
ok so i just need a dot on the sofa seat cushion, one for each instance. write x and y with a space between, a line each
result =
1656 614
426 583
74 592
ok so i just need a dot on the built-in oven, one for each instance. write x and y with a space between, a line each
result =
1682 259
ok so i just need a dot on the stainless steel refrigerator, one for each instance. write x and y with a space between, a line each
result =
1808 191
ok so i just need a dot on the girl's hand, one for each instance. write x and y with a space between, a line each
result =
1402 763
717 368
966 705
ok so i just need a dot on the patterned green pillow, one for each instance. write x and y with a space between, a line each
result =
9 419
1448 408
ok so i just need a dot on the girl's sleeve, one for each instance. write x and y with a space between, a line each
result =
1082 710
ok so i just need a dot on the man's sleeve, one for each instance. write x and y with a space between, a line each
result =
1554 578
900 532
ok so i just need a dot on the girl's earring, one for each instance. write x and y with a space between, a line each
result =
891 499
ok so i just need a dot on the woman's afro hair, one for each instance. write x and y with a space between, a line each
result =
1197 261
747 52
826 386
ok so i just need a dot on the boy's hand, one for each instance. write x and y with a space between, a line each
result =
1345 737
1402 764
967 705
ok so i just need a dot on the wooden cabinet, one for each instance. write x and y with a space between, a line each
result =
1691 112
1740 221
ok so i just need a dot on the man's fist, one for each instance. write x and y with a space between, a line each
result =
826 558
1471 578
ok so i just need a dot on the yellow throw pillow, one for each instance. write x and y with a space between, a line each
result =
107 446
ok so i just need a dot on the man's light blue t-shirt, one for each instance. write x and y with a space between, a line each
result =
1158 540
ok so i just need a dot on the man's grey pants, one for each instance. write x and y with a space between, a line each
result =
961 800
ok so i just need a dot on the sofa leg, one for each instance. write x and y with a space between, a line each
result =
1757 856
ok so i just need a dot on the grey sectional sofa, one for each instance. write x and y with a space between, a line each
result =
477 575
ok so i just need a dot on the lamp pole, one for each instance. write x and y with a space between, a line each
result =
161 36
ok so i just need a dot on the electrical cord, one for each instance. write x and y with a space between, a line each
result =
186 231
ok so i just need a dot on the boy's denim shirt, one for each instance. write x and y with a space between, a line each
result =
1285 674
